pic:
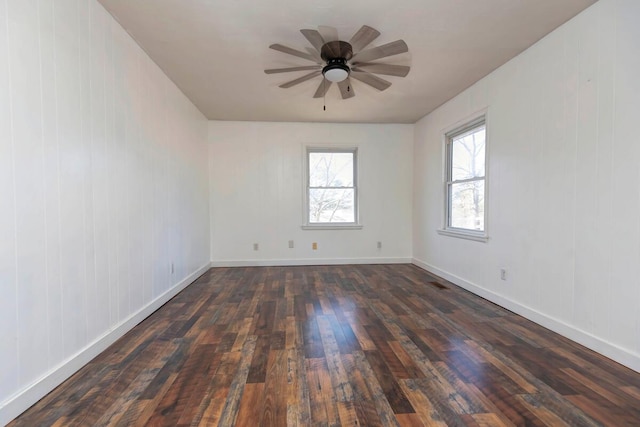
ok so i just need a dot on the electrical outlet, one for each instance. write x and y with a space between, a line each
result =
172 269
255 246
314 246
503 274
290 244
379 245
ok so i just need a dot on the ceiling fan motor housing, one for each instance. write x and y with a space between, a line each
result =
336 49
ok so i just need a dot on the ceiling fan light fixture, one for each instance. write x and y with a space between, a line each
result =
336 75
336 70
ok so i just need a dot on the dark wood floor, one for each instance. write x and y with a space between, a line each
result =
340 345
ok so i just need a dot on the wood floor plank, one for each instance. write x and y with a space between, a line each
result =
347 413
298 398
424 409
250 409
493 412
441 407
212 404
632 391
410 367
274 405
378 397
613 396
489 420
602 414
319 394
389 385
354 345
363 402
341 388
143 409
543 414
409 420
186 383
552 408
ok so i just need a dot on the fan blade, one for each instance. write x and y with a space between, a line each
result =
386 69
329 34
363 37
313 52
286 70
314 38
300 79
371 80
285 49
346 90
389 49
323 88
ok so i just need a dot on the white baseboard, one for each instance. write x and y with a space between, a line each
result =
621 355
307 261
21 401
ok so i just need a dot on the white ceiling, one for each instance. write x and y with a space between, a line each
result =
216 50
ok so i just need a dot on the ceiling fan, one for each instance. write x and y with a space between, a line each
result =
338 61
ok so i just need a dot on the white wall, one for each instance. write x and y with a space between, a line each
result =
103 183
564 183
257 193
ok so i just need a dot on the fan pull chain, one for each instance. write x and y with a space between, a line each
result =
324 95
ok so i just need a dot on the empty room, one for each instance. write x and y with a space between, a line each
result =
306 213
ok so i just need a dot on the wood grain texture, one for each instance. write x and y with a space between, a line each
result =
365 345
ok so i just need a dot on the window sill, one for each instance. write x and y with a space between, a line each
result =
468 235
332 227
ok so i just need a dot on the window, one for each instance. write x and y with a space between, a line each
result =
332 198
465 180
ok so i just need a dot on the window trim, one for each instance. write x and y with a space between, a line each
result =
460 128
307 225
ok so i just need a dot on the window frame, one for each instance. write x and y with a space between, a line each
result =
465 126
307 224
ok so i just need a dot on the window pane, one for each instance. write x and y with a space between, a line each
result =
467 205
330 169
331 205
467 154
